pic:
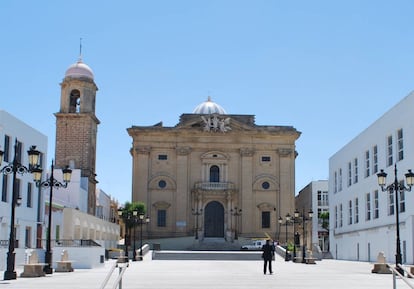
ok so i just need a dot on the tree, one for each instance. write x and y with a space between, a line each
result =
324 216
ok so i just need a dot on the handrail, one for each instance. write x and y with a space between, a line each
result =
108 276
119 279
395 273
122 264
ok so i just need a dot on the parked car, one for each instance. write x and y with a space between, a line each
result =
256 245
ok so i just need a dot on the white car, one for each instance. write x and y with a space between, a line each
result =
256 245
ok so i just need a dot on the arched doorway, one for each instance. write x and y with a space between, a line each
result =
214 220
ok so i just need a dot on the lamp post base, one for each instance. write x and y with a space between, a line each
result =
47 269
48 260
10 275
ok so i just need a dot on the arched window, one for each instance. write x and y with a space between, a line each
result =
74 101
214 174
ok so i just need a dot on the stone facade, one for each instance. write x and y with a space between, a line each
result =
214 175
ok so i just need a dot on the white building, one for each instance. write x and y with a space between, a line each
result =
29 215
315 197
362 217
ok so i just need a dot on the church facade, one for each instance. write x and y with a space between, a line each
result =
214 175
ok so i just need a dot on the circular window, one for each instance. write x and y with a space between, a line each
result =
162 184
265 185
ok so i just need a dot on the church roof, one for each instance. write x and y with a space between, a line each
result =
209 107
79 69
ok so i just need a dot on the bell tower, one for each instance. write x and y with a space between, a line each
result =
77 124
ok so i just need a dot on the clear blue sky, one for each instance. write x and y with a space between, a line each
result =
328 68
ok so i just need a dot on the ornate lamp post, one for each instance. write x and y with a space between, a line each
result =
15 168
126 218
196 213
396 188
296 234
142 222
237 213
51 183
135 221
287 221
304 220
131 215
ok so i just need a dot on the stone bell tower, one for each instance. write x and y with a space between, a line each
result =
76 126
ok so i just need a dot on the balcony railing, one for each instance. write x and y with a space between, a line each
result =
214 186
60 243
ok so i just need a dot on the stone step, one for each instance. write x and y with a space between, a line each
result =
207 255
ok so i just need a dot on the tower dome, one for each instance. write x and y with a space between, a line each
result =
209 107
79 69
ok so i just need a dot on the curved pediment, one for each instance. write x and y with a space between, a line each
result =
162 182
215 155
266 183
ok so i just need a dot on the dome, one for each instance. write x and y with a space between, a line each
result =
209 107
79 69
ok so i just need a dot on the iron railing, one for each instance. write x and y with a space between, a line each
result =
61 243
214 186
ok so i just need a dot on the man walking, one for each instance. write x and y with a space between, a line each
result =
267 255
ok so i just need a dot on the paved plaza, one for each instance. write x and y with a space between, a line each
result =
160 274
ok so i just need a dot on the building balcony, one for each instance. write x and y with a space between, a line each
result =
214 186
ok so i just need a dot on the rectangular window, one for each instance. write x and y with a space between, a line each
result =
402 199
341 216
355 170
336 216
4 188
162 157
340 180
356 211
6 155
335 182
28 237
323 199
367 164
350 212
349 174
266 219
161 218
29 195
17 188
391 203
389 151
57 233
19 148
376 205
400 145
375 160
368 206
265 159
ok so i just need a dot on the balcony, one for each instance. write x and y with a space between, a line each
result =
214 186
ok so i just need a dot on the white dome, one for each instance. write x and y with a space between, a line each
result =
209 107
79 69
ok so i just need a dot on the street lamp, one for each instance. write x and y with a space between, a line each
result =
396 188
141 222
135 220
296 234
125 216
304 220
50 183
17 168
196 213
287 220
237 213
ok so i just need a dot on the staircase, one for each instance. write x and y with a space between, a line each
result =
215 244
207 255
